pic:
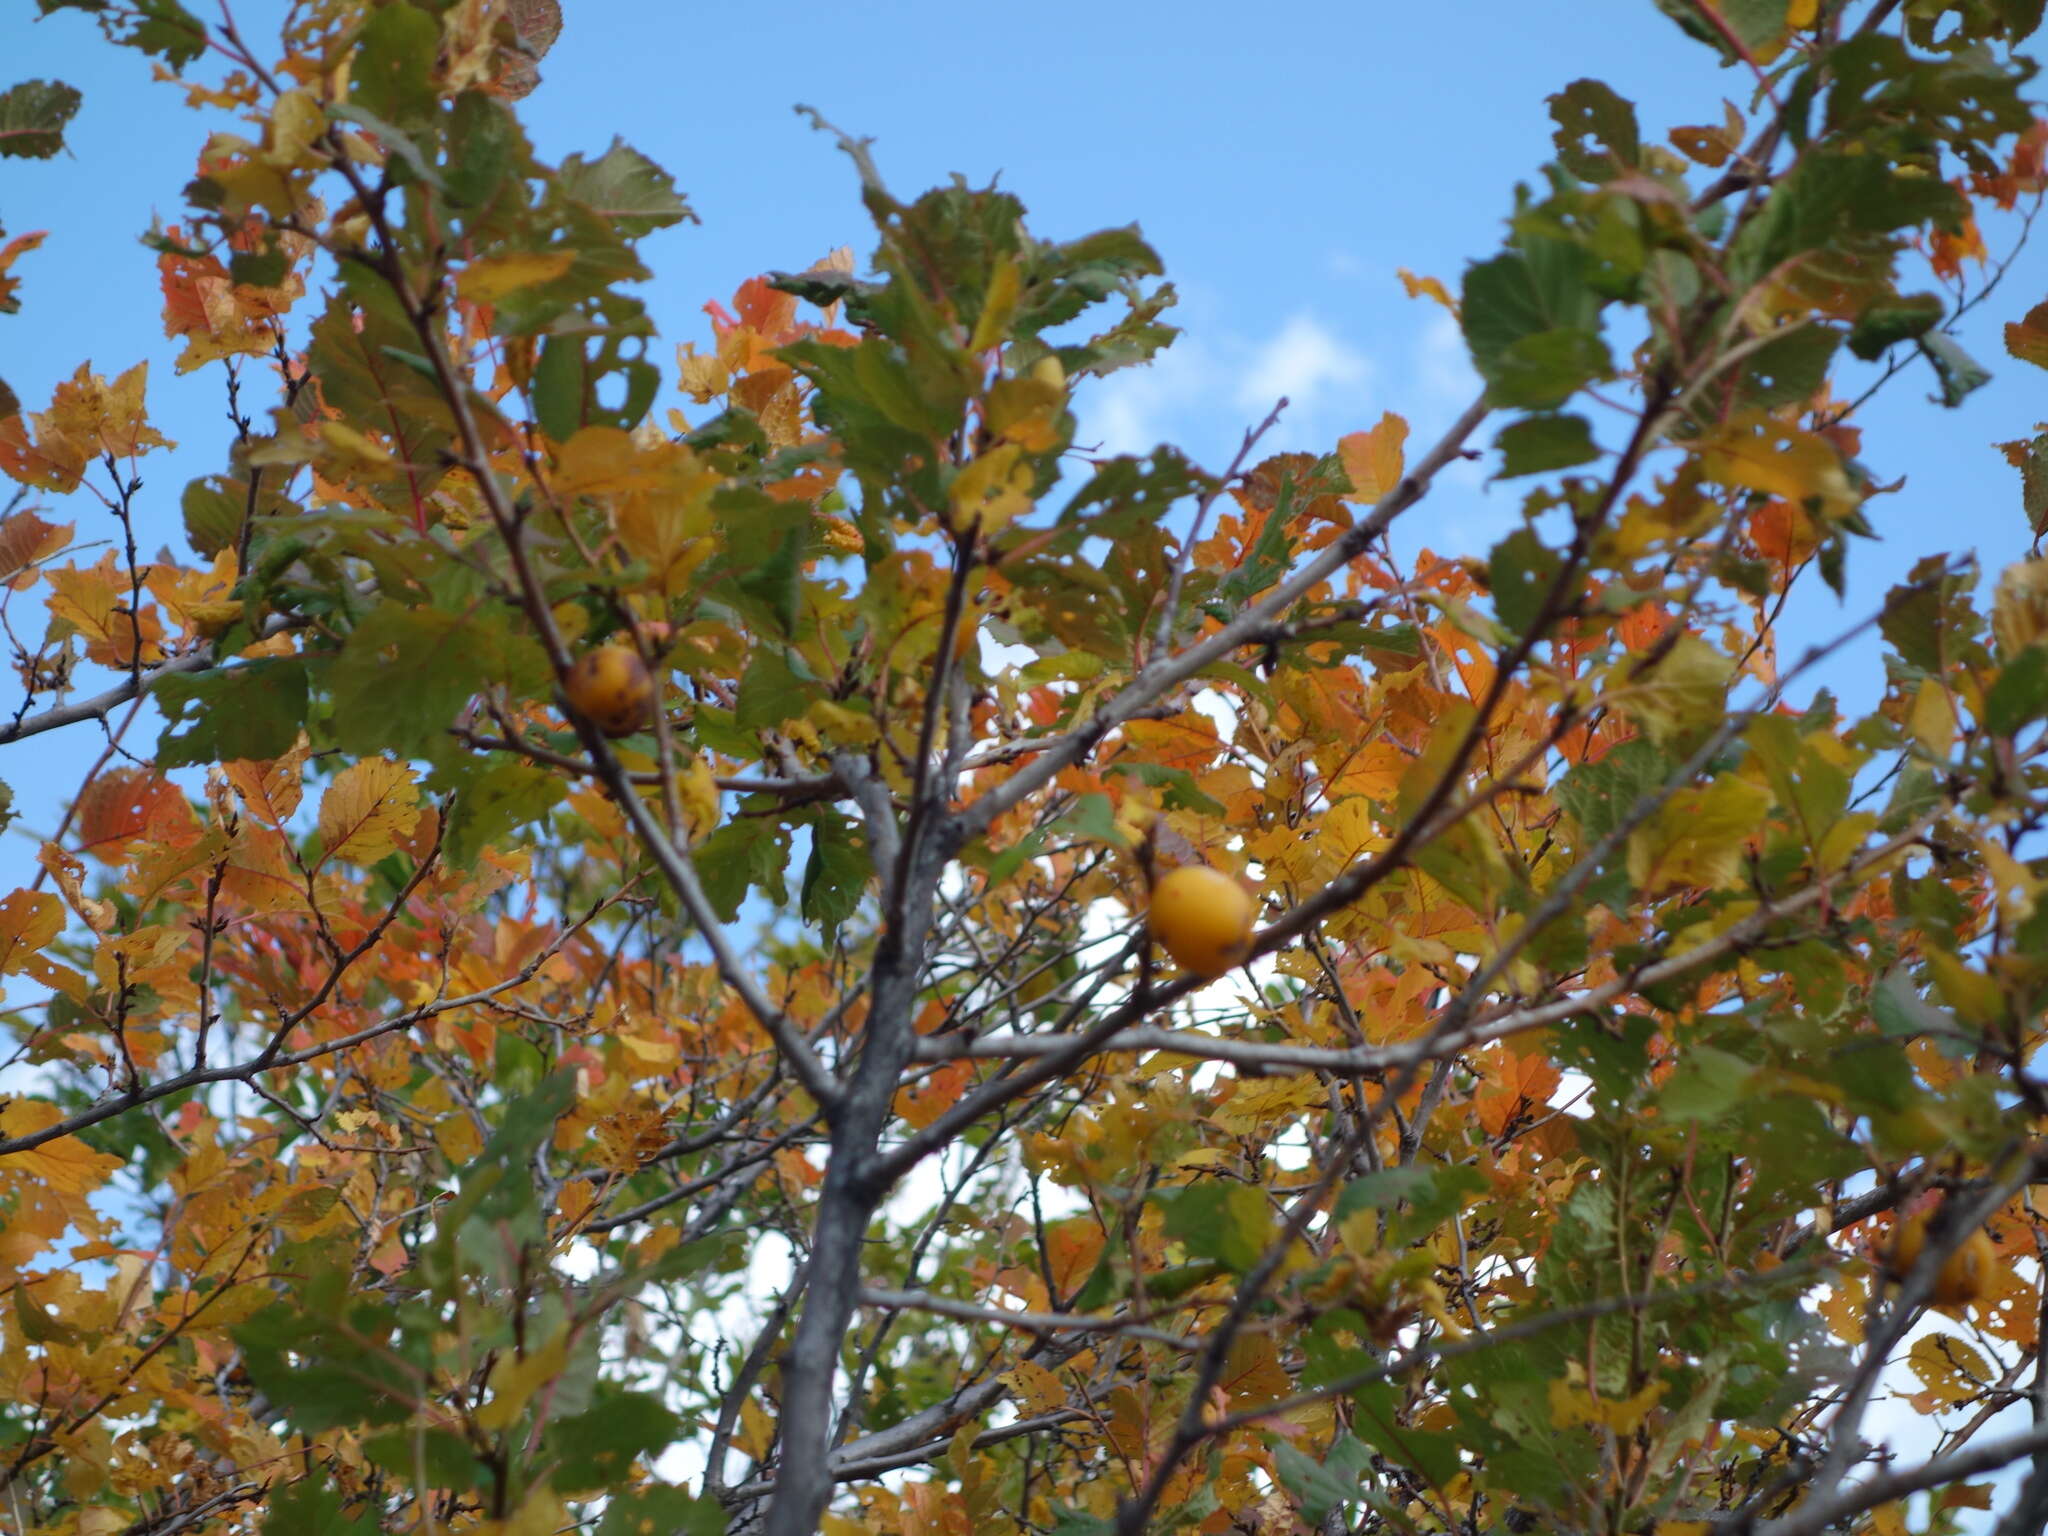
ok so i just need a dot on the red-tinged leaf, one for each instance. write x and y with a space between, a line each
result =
124 805
25 540
10 286
2027 339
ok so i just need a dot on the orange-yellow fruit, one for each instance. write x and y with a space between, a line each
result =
1202 918
610 688
1965 1274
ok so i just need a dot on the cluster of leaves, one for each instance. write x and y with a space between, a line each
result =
434 1114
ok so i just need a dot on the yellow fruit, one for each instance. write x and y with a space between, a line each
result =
1202 918
1965 1274
610 688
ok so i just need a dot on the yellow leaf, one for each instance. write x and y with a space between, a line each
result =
352 448
28 921
1698 836
1572 1405
97 602
1374 461
2019 610
489 280
296 123
1036 1388
1263 1101
1349 830
1975 997
541 1515
995 489
1950 1368
1933 720
515 1378
458 1138
1426 288
756 1434
1684 692
998 308
367 808
1758 452
701 378
87 418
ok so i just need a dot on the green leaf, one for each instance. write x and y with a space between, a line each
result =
1523 570
1706 1085
1321 1486
486 149
1893 320
1958 372
2020 696
835 875
661 1511
32 118
1536 444
309 1506
506 794
558 387
625 189
2033 466
392 74
770 691
1531 320
407 671
1229 1223
443 1455
776 581
740 854
1589 109
161 27
1545 370
1599 795
598 1446
254 709
1431 1195
1929 620
1789 368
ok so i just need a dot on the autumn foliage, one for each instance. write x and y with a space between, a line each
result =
607 975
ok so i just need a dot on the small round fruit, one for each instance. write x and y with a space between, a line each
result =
1965 1274
1202 918
610 688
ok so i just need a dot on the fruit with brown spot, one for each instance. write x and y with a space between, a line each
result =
610 687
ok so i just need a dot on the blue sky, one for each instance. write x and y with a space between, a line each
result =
1285 165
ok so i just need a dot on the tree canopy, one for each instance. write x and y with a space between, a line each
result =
605 975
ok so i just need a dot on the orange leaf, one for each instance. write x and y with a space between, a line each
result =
938 1093
95 602
26 539
1373 461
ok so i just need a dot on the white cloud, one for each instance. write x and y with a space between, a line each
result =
1301 363
1134 411
1442 367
